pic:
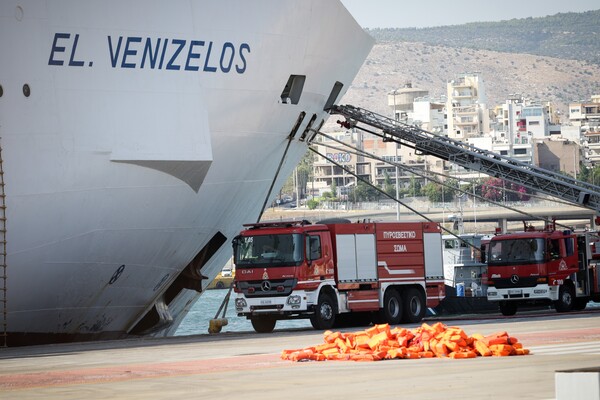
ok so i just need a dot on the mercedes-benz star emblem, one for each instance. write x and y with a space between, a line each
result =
514 279
265 286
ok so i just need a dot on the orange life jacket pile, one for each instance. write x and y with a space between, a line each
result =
382 343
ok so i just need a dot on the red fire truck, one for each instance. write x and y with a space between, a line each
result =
548 266
332 271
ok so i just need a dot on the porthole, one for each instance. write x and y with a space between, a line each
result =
26 90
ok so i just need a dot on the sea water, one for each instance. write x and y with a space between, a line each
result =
197 320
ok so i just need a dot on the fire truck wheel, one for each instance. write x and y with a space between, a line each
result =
414 305
508 308
566 297
324 316
392 307
263 324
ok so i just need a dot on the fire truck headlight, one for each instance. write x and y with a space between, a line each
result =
240 303
492 293
539 291
294 300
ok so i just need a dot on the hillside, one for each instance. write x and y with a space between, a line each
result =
391 64
554 58
574 36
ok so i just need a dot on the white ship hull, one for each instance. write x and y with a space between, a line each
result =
146 135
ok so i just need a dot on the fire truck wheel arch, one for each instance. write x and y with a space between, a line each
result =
392 307
325 311
566 297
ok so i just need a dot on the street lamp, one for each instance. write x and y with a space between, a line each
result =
394 93
397 190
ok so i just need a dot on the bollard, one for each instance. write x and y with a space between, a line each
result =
215 325
578 384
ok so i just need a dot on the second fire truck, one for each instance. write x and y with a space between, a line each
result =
548 266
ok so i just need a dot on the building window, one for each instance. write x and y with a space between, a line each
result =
391 159
520 152
532 112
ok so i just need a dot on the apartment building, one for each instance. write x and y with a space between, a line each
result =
466 107
401 101
559 155
521 129
374 170
586 115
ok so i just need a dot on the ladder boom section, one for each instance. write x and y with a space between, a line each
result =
475 159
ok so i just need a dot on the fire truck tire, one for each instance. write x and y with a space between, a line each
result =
263 323
566 298
508 308
392 307
324 316
414 305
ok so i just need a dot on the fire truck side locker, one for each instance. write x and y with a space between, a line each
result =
434 264
356 258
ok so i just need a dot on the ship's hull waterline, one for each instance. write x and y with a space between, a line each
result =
136 140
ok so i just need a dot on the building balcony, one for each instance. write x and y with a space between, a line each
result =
471 123
457 111
594 147
461 83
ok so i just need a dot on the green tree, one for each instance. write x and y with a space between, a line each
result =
435 192
414 187
304 171
364 192
589 174
312 204
388 186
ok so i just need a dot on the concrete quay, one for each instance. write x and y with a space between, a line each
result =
248 365
484 219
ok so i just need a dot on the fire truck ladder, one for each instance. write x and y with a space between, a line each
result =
473 158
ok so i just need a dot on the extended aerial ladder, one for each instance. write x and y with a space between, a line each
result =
473 158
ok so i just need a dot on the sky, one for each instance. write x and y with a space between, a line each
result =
419 14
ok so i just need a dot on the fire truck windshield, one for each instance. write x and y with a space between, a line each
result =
516 251
268 250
